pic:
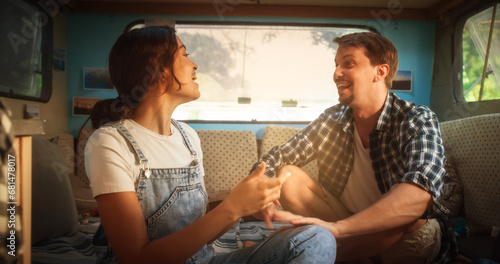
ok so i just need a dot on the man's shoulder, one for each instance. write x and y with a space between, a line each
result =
408 118
336 112
421 113
410 111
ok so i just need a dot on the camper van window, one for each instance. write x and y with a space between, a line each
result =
261 72
481 56
26 45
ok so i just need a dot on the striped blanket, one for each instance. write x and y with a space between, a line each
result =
77 248
74 248
240 233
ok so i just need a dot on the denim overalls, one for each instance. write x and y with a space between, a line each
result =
170 199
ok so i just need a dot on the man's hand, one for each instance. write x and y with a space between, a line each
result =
298 220
267 214
330 226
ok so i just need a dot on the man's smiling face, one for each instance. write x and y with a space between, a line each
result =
354 74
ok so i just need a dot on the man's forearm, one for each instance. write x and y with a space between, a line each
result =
401 206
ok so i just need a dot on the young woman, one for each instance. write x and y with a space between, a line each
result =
146 170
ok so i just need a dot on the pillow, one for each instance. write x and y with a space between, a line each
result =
66 143
85 202
474 144
53 208
452 197
81 142
86 205
228 156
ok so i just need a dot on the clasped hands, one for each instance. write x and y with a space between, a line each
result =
258 194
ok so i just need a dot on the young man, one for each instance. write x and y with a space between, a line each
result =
381 165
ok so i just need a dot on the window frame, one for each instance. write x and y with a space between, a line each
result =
248 23
458 63
46 53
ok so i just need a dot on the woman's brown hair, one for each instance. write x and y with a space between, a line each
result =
138 60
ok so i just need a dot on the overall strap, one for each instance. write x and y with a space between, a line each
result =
186 140
142 158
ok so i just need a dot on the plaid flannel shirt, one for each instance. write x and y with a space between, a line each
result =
405 147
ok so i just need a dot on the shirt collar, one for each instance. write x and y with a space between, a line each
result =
384 118
347 118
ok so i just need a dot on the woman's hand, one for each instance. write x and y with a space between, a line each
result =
254 193
267 215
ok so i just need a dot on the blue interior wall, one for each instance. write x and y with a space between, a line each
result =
91 36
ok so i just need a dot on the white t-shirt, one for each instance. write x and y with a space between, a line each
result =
111 163
361 190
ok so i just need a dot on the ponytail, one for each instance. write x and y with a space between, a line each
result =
108 110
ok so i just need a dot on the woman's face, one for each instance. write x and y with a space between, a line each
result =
185 72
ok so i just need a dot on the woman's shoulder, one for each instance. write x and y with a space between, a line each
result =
107 143
106 135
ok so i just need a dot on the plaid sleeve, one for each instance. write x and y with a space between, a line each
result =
425 157
298 150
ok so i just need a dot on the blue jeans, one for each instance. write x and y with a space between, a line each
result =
305 244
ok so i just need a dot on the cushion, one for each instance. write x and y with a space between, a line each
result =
53 208
452 196
85 202
81 142
474 144
66 143
278 135
228 156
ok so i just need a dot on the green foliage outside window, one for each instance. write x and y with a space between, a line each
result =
475 46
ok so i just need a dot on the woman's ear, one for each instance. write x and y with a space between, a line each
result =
164 73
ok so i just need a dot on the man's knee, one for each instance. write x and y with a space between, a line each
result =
298 178
293 181
300 186
294 170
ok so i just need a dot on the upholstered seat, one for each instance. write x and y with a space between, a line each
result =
228 156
